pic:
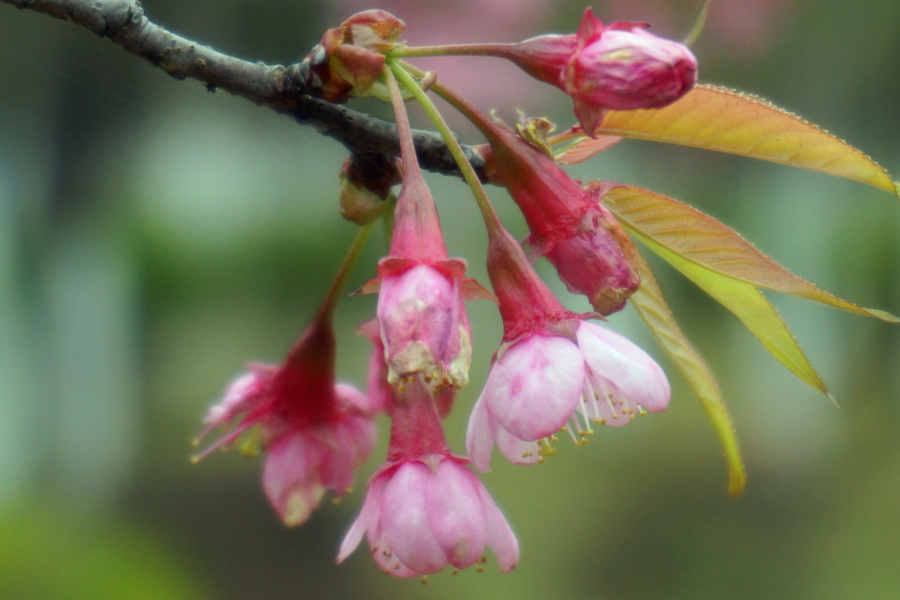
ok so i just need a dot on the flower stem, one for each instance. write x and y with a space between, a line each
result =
326 312
491 221
497 50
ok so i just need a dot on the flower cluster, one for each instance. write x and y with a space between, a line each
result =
554 370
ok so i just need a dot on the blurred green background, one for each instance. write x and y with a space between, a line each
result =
154 238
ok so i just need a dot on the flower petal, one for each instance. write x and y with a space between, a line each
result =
516 451
404 520
389 563
500 537
479 439
634 374
534 388
291 478
367 520
456 513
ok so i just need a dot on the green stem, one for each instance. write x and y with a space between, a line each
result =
340 280
573 135
491 221
497 50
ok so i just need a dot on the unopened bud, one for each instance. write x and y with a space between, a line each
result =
366 182
350 59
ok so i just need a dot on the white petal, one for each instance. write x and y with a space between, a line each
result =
635 375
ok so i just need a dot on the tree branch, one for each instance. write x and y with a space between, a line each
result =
280 88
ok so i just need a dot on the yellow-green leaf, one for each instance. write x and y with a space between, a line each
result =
653 310
707 242
748 304
720 119
586 148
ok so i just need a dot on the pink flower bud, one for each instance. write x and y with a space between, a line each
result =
424 510
350 58
591 252
620 67
623 67
315 433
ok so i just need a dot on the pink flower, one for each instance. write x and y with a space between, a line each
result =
423 324
542 382
424 509
552 366
620 67
379 390
591 252
315 433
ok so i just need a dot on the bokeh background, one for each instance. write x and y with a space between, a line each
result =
154 238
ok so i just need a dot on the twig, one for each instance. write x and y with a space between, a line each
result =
273 86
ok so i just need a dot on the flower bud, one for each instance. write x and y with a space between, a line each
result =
620 67
365 185
350 59
623 67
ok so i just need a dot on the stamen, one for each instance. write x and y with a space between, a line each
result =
224 441
546 449
584 415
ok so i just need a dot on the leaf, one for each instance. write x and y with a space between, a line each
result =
652 308
697 29
705 241
748 304
586 148
716 118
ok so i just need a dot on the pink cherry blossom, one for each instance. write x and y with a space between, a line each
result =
541 383
419 518
422 320
425 327
424 510
315 433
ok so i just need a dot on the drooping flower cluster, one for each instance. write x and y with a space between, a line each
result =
315 433
554 370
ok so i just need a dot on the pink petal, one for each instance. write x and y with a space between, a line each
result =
349 396
291 479
479 439
500 537
347 444
367 520
516 451
418 317
456 513
634 374
534 388
389 563
404 520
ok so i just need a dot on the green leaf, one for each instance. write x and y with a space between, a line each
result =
707 242
748 304
719 119
697 29
652 308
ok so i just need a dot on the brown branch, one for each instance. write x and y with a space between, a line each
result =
280 88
